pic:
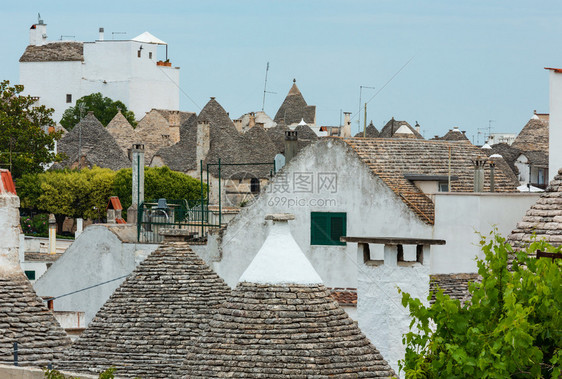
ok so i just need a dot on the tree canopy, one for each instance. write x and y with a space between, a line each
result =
104 109
510 327
85 193
26 145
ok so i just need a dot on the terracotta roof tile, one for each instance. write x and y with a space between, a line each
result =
344 296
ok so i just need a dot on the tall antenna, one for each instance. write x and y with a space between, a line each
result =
265 87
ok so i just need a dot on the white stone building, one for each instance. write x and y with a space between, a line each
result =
61 72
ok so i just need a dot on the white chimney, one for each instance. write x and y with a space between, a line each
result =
555 123
38 34
346 133
101 35
9 224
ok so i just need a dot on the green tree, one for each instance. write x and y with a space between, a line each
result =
104 109
25 143
511 326
159 182
68 193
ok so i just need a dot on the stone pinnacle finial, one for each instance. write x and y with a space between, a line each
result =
294 80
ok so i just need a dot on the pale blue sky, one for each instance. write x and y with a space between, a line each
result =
474 61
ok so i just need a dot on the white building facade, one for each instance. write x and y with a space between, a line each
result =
61 72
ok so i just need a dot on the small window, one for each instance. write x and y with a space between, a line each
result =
254 185
30 275
139 53
443 187
69 98
326 228
150 55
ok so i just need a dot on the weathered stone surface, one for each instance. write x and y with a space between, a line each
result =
24 318
454 285
543 220
145 327
273 338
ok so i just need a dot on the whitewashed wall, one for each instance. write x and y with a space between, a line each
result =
381 315
555 125
96 256
458 218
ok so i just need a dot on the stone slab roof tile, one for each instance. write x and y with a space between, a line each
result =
543 220
283 331
454 285
97 146
54 52
390 159
24 318
533 136
370 132
295 108
392 126
146 326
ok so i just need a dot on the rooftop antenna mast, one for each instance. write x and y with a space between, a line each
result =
265 87
114 33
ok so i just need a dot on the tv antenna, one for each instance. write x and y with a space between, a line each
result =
114 33
265 87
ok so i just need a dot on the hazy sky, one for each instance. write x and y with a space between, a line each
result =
473 61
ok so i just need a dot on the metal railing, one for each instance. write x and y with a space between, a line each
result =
194 216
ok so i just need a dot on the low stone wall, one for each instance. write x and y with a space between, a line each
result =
13 372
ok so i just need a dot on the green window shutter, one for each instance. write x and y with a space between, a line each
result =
326 228
338 228
30 275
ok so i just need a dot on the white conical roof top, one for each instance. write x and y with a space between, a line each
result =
486 146
280 259
146 37
302 123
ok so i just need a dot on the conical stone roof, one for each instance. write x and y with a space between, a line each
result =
122 131
294 109
543 220
281 322
93 141
24 317
146 326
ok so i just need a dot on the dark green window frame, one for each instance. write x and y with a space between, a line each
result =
30 274
326 228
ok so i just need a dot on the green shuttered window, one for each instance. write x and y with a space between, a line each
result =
326 228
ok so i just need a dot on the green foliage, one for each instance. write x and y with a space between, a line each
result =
511 326
159 182
55 374
23 141
68 193
104 109
85 193
36 225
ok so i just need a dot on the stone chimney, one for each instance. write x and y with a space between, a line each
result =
9 224
479 174
252 121
38 34
203 141
238 125
137 158
291 144
101 35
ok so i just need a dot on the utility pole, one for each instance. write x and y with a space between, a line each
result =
265 87
359 119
